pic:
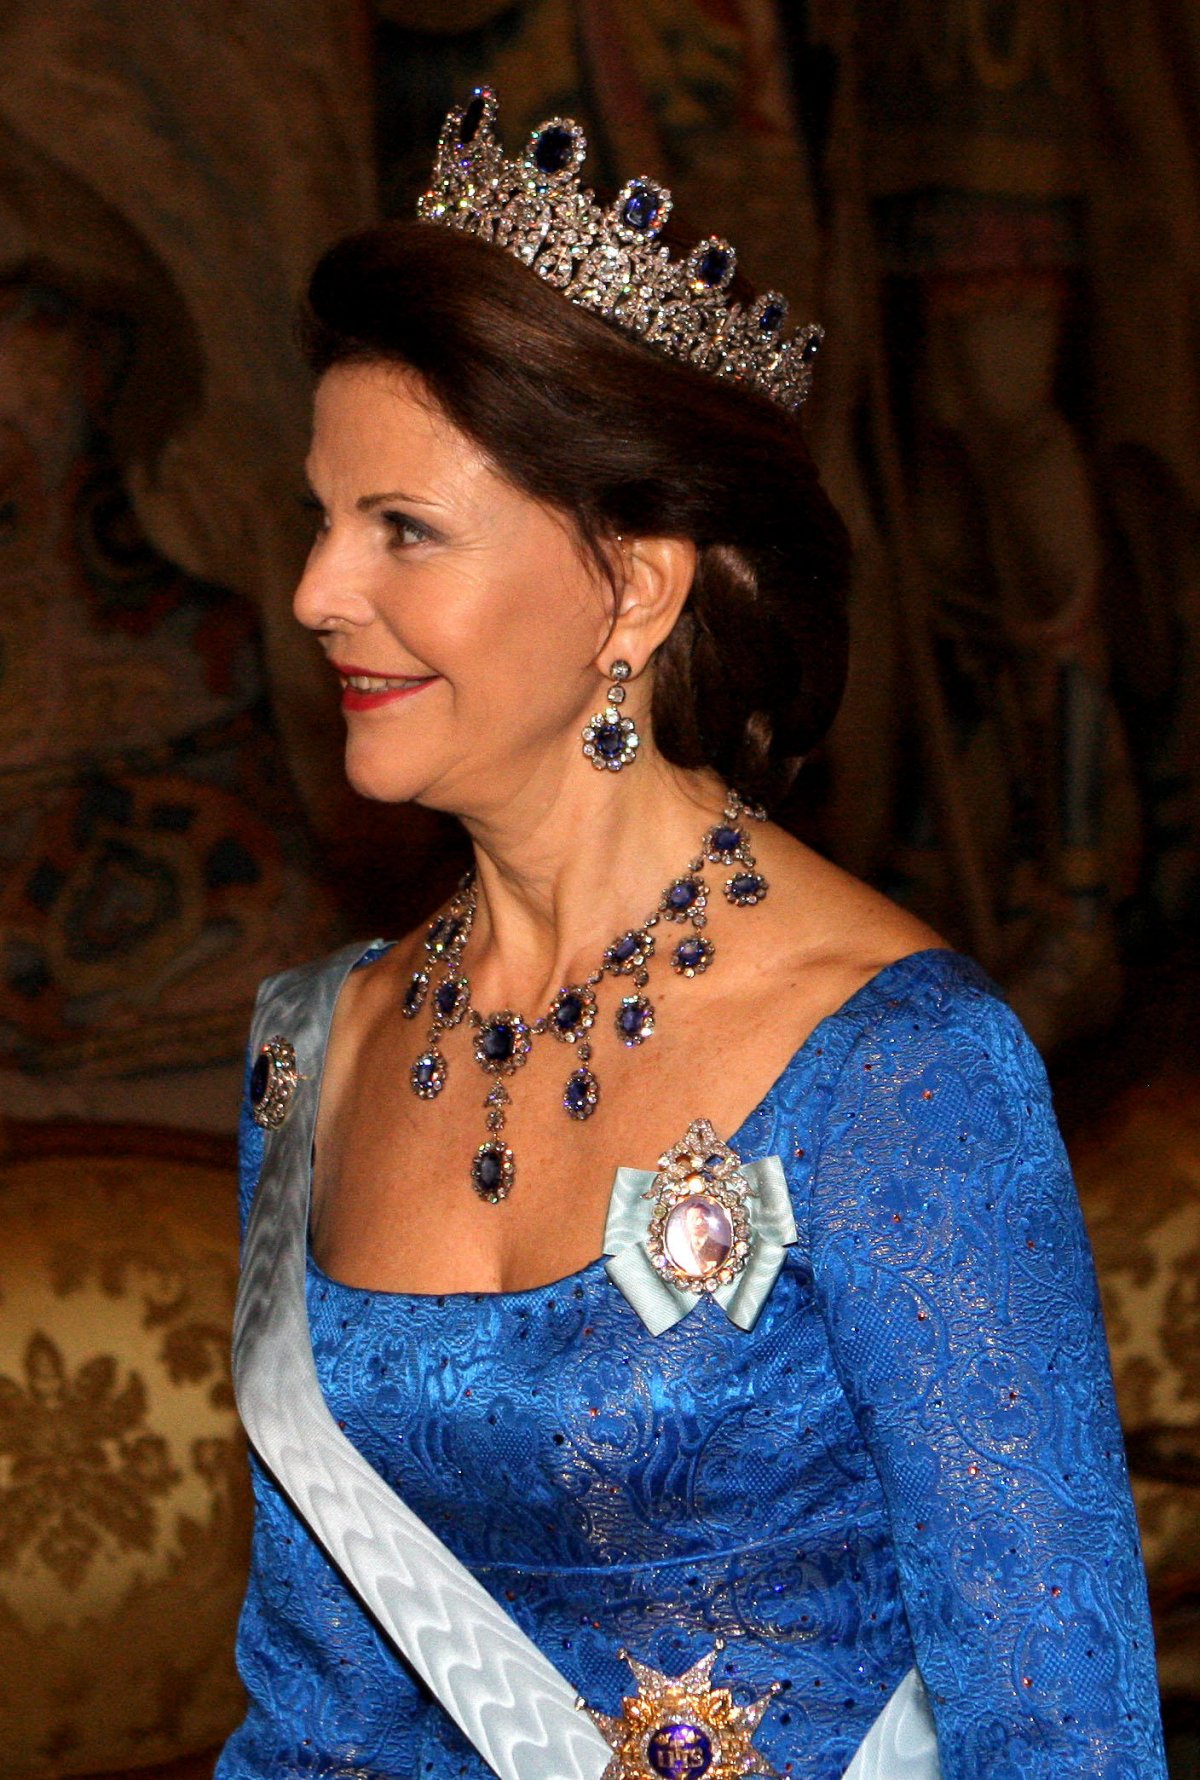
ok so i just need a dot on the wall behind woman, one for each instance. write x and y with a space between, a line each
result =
168 755
187 221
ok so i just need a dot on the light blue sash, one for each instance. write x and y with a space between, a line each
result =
520 1713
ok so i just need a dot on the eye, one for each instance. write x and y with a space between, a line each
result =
405 530
308 503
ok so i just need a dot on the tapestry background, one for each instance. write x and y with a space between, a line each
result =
994 208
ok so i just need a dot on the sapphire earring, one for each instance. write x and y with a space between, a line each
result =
610 740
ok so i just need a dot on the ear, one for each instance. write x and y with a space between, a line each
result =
655 576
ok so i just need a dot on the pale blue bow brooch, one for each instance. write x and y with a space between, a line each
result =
706 1225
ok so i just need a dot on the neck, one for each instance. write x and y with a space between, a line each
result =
558 878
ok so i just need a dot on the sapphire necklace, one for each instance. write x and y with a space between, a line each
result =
502 1041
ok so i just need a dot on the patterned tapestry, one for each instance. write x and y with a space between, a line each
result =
154 854
168 746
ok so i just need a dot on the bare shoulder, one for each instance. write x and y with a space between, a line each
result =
368 999
826 929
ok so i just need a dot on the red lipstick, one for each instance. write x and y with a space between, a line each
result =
370 697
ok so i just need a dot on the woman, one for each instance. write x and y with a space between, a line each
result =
882 1434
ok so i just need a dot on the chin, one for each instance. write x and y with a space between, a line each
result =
386 775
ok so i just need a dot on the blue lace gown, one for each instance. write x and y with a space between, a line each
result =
913 1457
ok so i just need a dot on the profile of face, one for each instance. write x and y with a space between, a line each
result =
474 604
699 1237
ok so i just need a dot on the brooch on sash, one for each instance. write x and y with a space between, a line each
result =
706 1225
683 1729
273 1081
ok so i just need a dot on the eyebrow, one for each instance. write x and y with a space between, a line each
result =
367 501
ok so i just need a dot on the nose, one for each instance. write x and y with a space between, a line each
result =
333 591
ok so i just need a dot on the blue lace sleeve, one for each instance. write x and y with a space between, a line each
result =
956 1281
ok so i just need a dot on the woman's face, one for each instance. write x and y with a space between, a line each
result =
466 607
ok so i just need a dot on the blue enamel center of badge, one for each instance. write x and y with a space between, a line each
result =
679 1752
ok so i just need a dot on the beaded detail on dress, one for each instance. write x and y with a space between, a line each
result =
914 1455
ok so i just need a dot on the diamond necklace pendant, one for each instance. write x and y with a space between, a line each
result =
502 1041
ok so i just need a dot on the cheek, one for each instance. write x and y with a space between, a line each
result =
528 633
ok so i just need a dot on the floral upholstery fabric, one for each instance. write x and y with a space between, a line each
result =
124 1512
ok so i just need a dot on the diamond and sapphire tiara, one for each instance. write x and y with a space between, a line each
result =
609 258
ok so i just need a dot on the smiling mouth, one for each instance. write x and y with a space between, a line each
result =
377 682
368 692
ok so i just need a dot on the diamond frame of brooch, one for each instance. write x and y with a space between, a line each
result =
682 1175
282 1079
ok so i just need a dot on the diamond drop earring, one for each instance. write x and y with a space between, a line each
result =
610 740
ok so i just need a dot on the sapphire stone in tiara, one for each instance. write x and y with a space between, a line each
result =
610 259
552 150
642 208
711 265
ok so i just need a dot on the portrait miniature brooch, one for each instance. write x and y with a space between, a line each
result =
705 1225
682 1729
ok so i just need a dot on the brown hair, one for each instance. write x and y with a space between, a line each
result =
578 414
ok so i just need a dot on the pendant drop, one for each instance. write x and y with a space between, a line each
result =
428 1075
493 1170
414 995
572 1013
634 1019
692 956
580 1094
745 888
450 1000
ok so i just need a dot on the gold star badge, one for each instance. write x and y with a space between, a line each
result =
682 1729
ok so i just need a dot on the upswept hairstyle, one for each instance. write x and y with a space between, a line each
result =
620 438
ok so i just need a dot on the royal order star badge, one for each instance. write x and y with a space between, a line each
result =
683 1729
